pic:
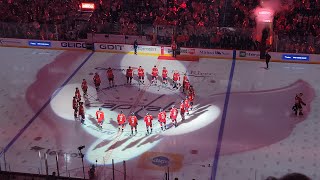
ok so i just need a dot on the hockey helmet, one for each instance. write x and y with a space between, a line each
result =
182 101
147 113
161 110
100 109
121 112
172 106
132 113
129 67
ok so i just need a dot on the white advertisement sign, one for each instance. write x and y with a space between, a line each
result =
215 53
121 48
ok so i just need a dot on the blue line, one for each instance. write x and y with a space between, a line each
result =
223 120
43 107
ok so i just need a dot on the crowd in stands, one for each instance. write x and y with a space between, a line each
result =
195 23
296 23
35 19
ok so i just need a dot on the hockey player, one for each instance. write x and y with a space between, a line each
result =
121 120
77 95
110 77
162 119
176 79
81 112
186 105
97 81
191 90
154 75
133 122
75 107
186 86
148 120
84 87
129 75
173 115
141 74
184 81
191 95
298 102
164 76
182 110
100 117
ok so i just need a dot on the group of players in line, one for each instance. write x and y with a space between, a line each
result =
184 108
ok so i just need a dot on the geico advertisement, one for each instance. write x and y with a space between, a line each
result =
80 45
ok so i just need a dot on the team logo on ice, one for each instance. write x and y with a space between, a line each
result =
160 161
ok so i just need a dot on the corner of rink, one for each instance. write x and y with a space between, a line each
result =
179 58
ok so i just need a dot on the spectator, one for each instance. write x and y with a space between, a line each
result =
295 176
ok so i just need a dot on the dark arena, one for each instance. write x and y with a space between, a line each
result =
159 89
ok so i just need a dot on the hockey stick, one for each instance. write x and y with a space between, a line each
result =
139 83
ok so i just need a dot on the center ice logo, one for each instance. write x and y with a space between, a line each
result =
124 98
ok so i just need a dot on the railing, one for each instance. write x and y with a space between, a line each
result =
126 170
23 176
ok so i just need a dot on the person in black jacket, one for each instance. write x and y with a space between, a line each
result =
135 46
268 57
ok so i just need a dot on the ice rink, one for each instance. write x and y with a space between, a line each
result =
242 126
